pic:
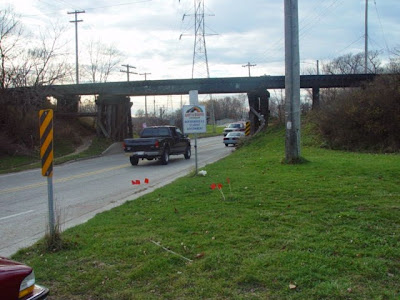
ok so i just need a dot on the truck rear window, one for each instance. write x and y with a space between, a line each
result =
153 132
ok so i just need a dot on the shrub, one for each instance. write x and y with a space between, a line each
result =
365 119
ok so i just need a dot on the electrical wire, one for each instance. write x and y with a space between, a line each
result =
383 32
90 8
307 22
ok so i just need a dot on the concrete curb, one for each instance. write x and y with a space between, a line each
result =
113 149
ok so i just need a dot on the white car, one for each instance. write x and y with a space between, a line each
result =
237 126
233 137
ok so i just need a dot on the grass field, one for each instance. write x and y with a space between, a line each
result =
63 152
325 229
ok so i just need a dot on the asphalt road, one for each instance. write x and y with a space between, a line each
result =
84 188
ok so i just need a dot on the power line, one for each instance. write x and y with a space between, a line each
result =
308 22
121 4
348 46
90 8
383 32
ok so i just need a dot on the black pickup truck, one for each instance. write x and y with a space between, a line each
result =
157 142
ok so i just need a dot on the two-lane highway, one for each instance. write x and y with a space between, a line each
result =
85 188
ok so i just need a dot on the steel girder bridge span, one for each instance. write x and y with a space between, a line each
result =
113 102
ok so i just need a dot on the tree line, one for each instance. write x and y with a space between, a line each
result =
45 61
357 119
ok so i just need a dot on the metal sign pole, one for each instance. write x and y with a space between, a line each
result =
194 119
51 204
195 151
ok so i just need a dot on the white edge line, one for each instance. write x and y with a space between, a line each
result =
16 215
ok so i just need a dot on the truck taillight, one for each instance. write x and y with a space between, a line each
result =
123 145
157 144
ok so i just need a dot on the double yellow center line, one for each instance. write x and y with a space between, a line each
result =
65 179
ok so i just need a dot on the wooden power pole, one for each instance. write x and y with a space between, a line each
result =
292 82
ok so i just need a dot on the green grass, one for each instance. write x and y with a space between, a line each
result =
330 227
62 153
210 132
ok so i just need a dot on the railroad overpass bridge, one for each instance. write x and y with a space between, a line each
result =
113 116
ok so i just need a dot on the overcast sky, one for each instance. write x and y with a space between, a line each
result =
148 31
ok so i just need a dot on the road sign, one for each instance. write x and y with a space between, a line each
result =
46 141
194 119
46 155
247 131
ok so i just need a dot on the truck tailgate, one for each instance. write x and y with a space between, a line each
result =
140 144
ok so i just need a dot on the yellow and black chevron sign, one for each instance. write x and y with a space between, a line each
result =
247 131
46 141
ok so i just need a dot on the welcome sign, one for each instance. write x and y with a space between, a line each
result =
194 119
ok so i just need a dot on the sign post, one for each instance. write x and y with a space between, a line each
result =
46 156
194 121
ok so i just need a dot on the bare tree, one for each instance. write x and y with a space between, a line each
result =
353 64
277 106
227 107
10 35
103 60
46 63
394 65
26 62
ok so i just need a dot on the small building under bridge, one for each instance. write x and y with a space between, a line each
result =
114 106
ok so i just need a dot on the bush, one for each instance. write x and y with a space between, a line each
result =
366 119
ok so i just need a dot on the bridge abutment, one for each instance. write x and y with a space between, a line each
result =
114 118
259 110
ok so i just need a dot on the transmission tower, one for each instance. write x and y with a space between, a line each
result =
200 60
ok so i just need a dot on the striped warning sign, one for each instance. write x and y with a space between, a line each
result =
247 131
46 141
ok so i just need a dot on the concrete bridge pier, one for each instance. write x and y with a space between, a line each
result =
315 98
259 110
114 118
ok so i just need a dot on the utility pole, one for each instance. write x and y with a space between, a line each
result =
292 82
127 71
317 67
154 105
249 66
366 37
145 97
76 12
145 75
